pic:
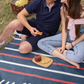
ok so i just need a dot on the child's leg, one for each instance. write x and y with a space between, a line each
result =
48 44
61 56
77 55
22 36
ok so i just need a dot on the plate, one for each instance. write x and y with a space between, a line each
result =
45 61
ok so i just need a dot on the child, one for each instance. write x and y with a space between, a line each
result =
72 15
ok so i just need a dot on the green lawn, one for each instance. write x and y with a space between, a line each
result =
6 16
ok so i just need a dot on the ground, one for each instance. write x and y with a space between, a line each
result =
6 16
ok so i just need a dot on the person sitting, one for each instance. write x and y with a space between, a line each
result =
72 16
47 21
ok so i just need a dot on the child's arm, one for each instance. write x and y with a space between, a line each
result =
64 32
81 38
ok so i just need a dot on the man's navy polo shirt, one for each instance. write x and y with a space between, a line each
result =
48 20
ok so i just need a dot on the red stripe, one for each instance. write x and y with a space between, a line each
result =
16 56
31 59
14 43
66 65
37 76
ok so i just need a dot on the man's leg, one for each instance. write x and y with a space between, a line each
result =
10 28
31 43
25 47
22 36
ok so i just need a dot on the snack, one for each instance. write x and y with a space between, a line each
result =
40 33
44 61
37 58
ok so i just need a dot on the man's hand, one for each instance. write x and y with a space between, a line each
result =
68 46
61 50
33 30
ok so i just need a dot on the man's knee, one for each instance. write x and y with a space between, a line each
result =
21 49
25 47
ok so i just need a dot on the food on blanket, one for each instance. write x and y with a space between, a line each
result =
37 58
46 60
40 33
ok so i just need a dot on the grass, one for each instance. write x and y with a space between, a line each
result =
7 16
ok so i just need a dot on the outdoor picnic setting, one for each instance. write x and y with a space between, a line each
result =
41 42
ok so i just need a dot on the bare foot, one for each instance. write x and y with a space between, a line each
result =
77 65
62 56
73 63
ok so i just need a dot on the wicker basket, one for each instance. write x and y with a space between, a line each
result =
16 9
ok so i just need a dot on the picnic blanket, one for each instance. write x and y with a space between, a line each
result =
17 68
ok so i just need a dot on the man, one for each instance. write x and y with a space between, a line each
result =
47 21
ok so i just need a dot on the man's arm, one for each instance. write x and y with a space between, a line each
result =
81 38
22 18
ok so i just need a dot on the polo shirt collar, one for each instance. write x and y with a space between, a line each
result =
56 3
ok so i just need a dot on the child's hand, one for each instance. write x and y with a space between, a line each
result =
68 46
60 50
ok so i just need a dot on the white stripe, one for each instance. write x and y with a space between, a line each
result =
17 39
2 81
11 49
42 54
13 83
30 52
44 69
8 82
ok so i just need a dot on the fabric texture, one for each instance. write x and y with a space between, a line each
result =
17 68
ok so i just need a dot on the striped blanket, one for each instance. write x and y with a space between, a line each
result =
17 68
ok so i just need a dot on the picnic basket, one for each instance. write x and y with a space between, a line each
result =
16 9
